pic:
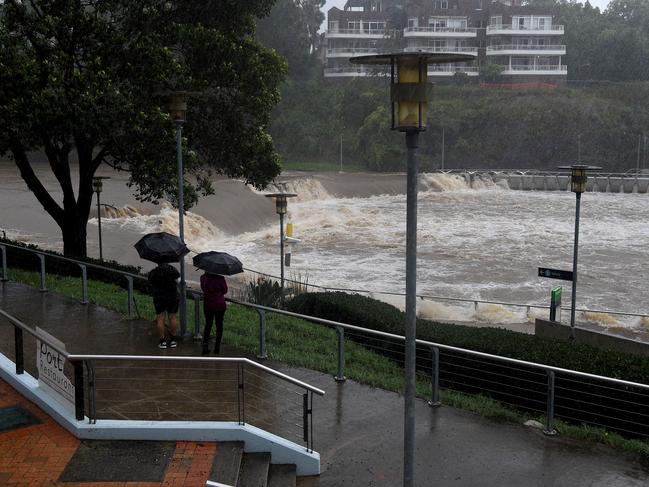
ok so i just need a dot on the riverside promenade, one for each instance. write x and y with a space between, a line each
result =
358 429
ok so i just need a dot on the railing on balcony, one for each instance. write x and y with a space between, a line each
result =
438 70
356 71
524 47
432 30
551 29
538 67
468 50
358 32
350 51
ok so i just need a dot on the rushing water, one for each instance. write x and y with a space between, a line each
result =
483 243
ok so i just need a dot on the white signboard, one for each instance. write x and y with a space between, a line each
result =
50 364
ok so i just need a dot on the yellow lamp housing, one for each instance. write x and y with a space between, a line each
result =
409 93
281 201
178 106
578 177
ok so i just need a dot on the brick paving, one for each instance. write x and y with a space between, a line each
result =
36 455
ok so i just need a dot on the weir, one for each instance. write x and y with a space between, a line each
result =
554 181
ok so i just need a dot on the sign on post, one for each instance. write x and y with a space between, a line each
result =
555 274
555 304
50 364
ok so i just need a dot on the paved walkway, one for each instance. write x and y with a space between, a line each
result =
358 428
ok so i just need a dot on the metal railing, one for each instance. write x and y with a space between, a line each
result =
359 32
528 67
432 30
524 28
465 49
209 389
525 47
351 51
552 391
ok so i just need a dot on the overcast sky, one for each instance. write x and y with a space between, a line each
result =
340 3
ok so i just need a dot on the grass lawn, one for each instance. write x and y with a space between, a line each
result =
302 344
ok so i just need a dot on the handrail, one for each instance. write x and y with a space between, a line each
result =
16 322
242 360
383 334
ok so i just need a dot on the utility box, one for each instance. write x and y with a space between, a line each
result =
555 304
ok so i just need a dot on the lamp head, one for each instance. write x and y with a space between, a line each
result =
97 184
578 176
178 106
281 201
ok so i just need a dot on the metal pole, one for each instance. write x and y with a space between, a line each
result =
19 350
341 152
41 257
574 269
197 317
579 149
637 164
182 309
84 284
442 147
411 310
129 306
340 376
434 379
281 250
262 334
101 253
79 395
549 430
4 263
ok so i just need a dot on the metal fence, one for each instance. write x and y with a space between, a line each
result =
554 392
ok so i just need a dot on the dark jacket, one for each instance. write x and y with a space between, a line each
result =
214 288
163 281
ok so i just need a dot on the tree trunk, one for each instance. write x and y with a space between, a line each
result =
74 239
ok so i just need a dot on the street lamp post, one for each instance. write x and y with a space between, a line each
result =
281 207
178 112
97 185
410 92
578 180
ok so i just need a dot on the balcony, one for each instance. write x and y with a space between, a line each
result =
347 52
354 71
440 32
536 70
508 30
455 49
518 49
355 34
442 70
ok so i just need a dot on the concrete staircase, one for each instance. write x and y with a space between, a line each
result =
233 467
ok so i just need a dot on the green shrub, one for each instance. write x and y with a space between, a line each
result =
362 311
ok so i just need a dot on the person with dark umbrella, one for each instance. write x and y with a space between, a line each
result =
162 248
164 288
214 287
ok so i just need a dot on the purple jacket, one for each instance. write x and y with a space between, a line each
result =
214 288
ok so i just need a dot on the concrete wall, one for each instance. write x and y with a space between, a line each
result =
553 329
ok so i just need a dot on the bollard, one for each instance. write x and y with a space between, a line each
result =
197 317
4 263
434 379
340 375
18 347
129 307
84 284
549 430
79 395
42 259
262 334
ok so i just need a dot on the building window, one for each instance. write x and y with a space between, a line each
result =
375 6
437 23
354 25
374 27
413 22
496 20
333 26
443 4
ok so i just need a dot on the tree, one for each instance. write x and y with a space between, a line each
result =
84 83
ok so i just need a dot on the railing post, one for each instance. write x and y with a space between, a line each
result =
549 430
340 375
306 412
241 398
79 395
41 257
434 379
84 284
129 307
92 395
3 249
262 334
197 317
18 347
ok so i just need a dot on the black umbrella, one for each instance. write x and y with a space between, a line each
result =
161 247
218 263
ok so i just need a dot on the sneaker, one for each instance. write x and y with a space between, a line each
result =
173 343
162 344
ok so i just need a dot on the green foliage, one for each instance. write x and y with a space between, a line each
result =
90 81
369 313
265 292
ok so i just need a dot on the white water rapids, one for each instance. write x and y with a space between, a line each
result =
484 242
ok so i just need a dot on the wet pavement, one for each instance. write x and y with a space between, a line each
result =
358 429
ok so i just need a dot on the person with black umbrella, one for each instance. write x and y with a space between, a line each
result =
214 287
164 288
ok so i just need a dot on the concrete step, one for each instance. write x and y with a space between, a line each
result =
254 470
227 463
281 475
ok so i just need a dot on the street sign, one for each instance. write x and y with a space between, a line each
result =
555 274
